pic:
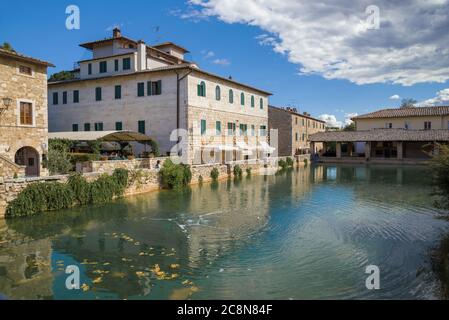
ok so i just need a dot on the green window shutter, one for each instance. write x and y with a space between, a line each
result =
231 96
75 127
198 88
218 128
87 127
98 94
119 126
116 64
103 67
261 105
76 96
118 92
252 101
141 126
55 98
89 68
203 127
64 97
140 89
242 99
217 93
149 87
126 63
159 87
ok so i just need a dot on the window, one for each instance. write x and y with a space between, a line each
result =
140 89
427 125
76 96
98 94
26 113
89 68
55 98
388 125
202 89
217 93
242 99
103 66
116 64
296 120
75 127
448 125
261 107
263 131
303 122
119 126
303 137
296 136
64 97
118 92
154 88
231 96
252 101
87 127
25 70
218 128
99 126
126 63
203 127
243 129
141 126
231 129
253 130
406 125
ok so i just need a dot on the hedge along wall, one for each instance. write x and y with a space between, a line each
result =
140 181
204 171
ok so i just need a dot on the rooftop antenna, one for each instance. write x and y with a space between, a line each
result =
158 36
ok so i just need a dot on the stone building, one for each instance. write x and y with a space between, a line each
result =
404 135
293 130
23 115
128 85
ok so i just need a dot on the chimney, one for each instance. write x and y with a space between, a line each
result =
141 55
116 33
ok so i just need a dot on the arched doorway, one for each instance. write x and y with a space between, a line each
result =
28 157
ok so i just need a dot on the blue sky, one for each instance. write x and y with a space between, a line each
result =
225 43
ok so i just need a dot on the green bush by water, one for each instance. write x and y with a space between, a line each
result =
238 172
175 176
289 162
49 196
214 174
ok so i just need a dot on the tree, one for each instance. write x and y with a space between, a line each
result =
408 103
7 46
440 168
350 127
63 75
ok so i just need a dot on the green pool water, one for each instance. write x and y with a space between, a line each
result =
305 234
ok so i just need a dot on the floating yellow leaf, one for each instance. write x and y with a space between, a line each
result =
174 266
97 280
140 274
126 260
85 287
194 289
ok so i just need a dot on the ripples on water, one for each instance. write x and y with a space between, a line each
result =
305 234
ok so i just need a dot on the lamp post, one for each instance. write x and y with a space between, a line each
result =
5 105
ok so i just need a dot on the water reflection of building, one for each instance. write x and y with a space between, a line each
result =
25 266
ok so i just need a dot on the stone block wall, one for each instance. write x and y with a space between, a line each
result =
204 170
9 169
111 165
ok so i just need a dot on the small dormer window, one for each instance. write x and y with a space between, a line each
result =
25 70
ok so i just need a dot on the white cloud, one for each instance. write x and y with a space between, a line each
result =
331 120
441 98
395 97
222 62
348 117
208 54
330 37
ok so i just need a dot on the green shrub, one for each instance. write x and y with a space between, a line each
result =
83 157
103 189
214 174
80 189
306 162
121 177
248 172
175 176
238 172
39 197
289 162
200 179
58 162
283 164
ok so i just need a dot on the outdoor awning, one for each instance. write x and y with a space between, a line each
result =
100 135
221 147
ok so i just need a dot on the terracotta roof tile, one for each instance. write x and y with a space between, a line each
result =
406 112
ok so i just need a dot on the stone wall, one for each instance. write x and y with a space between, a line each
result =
204 170
9 169
111 165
